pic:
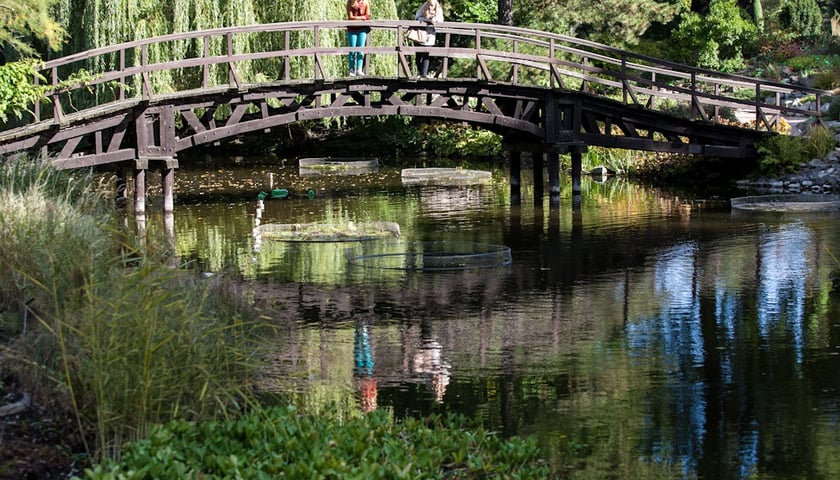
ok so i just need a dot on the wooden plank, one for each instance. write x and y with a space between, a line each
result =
84 161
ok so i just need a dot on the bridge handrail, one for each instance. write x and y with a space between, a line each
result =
556 59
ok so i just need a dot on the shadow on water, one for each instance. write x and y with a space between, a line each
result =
640 335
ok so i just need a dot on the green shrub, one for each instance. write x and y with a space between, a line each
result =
458 140
819 142
396 134
781 154
715 40
834 108
827 79
282 442
802 17
812 62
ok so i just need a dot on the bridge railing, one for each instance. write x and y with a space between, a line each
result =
241 57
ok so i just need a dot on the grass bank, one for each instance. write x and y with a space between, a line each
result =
97 330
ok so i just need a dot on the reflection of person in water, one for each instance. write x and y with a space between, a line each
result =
363 368
428 361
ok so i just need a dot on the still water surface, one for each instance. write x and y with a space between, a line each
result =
636 334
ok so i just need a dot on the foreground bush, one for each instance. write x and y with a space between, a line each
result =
284 443
781 154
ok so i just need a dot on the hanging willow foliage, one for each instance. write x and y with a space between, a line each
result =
95 23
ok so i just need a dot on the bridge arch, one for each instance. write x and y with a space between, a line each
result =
545 91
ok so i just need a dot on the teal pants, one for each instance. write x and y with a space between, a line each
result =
356 59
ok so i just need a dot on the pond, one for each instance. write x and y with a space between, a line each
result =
635 333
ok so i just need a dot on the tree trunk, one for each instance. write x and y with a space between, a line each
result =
505 12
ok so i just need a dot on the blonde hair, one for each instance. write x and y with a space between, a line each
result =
430 9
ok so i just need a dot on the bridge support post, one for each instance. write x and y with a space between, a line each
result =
538 162
576 172
553 178
515 176
168 178
121 199
140 167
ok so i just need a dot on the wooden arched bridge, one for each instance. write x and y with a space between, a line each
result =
541 91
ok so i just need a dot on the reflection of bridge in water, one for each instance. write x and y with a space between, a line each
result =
544 93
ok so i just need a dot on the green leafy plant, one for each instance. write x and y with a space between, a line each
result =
18 92
781 154
283 442
801 16
812 62
447 140
715 40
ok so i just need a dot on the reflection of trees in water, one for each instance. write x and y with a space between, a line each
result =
732 326
714 352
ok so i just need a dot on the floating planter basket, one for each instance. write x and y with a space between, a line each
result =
444 176
324 232
437 256
788 203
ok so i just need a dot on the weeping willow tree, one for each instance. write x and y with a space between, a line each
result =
97 23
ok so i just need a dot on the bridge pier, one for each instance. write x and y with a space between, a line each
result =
167 167
121 197
540 154
515 177
553 178
168 178
576 172
538 164
140 187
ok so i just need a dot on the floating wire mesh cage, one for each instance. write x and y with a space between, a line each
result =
444 176
788 203
321 232
437 256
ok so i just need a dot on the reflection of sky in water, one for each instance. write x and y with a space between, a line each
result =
675 337
781 286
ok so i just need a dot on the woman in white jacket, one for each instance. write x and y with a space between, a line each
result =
430 12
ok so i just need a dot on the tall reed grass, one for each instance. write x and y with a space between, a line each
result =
92 325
